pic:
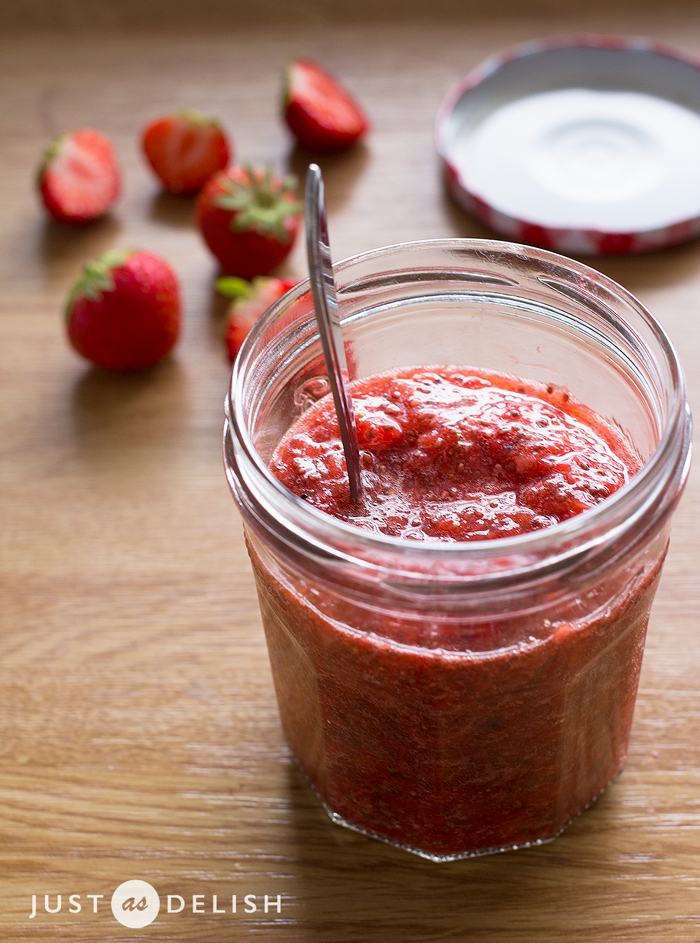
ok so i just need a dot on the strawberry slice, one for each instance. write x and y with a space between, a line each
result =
251 300
321 114
185 149
79 177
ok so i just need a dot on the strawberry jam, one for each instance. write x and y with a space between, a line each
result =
448 731
453 455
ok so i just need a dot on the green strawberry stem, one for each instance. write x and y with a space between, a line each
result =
260 203
97 277
196 117
233 287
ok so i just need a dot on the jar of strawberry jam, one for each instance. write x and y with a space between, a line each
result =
456 655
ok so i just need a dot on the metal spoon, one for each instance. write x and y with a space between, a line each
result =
326 305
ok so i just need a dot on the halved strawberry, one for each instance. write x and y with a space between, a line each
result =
249 219
185 149
79 177
319 111
251 299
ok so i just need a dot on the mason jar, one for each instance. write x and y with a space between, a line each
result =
456 699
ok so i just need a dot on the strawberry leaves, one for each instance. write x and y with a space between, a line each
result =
258 203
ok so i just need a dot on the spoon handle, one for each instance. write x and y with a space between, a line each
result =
326 306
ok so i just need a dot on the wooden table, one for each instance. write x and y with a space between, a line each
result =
138 726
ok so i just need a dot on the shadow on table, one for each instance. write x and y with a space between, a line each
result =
652 270
173 210
350 883
66 249
130 418
218 307
340 172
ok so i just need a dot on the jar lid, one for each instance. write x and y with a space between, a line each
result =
582 144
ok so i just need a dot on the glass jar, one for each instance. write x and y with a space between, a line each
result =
457 699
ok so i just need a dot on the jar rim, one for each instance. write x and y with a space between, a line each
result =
579 531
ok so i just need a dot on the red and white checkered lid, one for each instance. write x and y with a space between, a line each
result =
582 144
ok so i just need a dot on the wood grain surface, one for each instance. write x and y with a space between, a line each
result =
139 736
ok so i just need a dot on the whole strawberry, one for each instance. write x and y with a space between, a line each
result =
321 114
185 149
251 300
249 219
79 177
123 313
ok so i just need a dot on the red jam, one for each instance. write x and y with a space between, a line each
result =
450 454
448 734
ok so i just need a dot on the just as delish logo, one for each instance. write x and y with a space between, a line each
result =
136 904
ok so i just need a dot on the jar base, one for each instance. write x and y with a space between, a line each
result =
458 856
